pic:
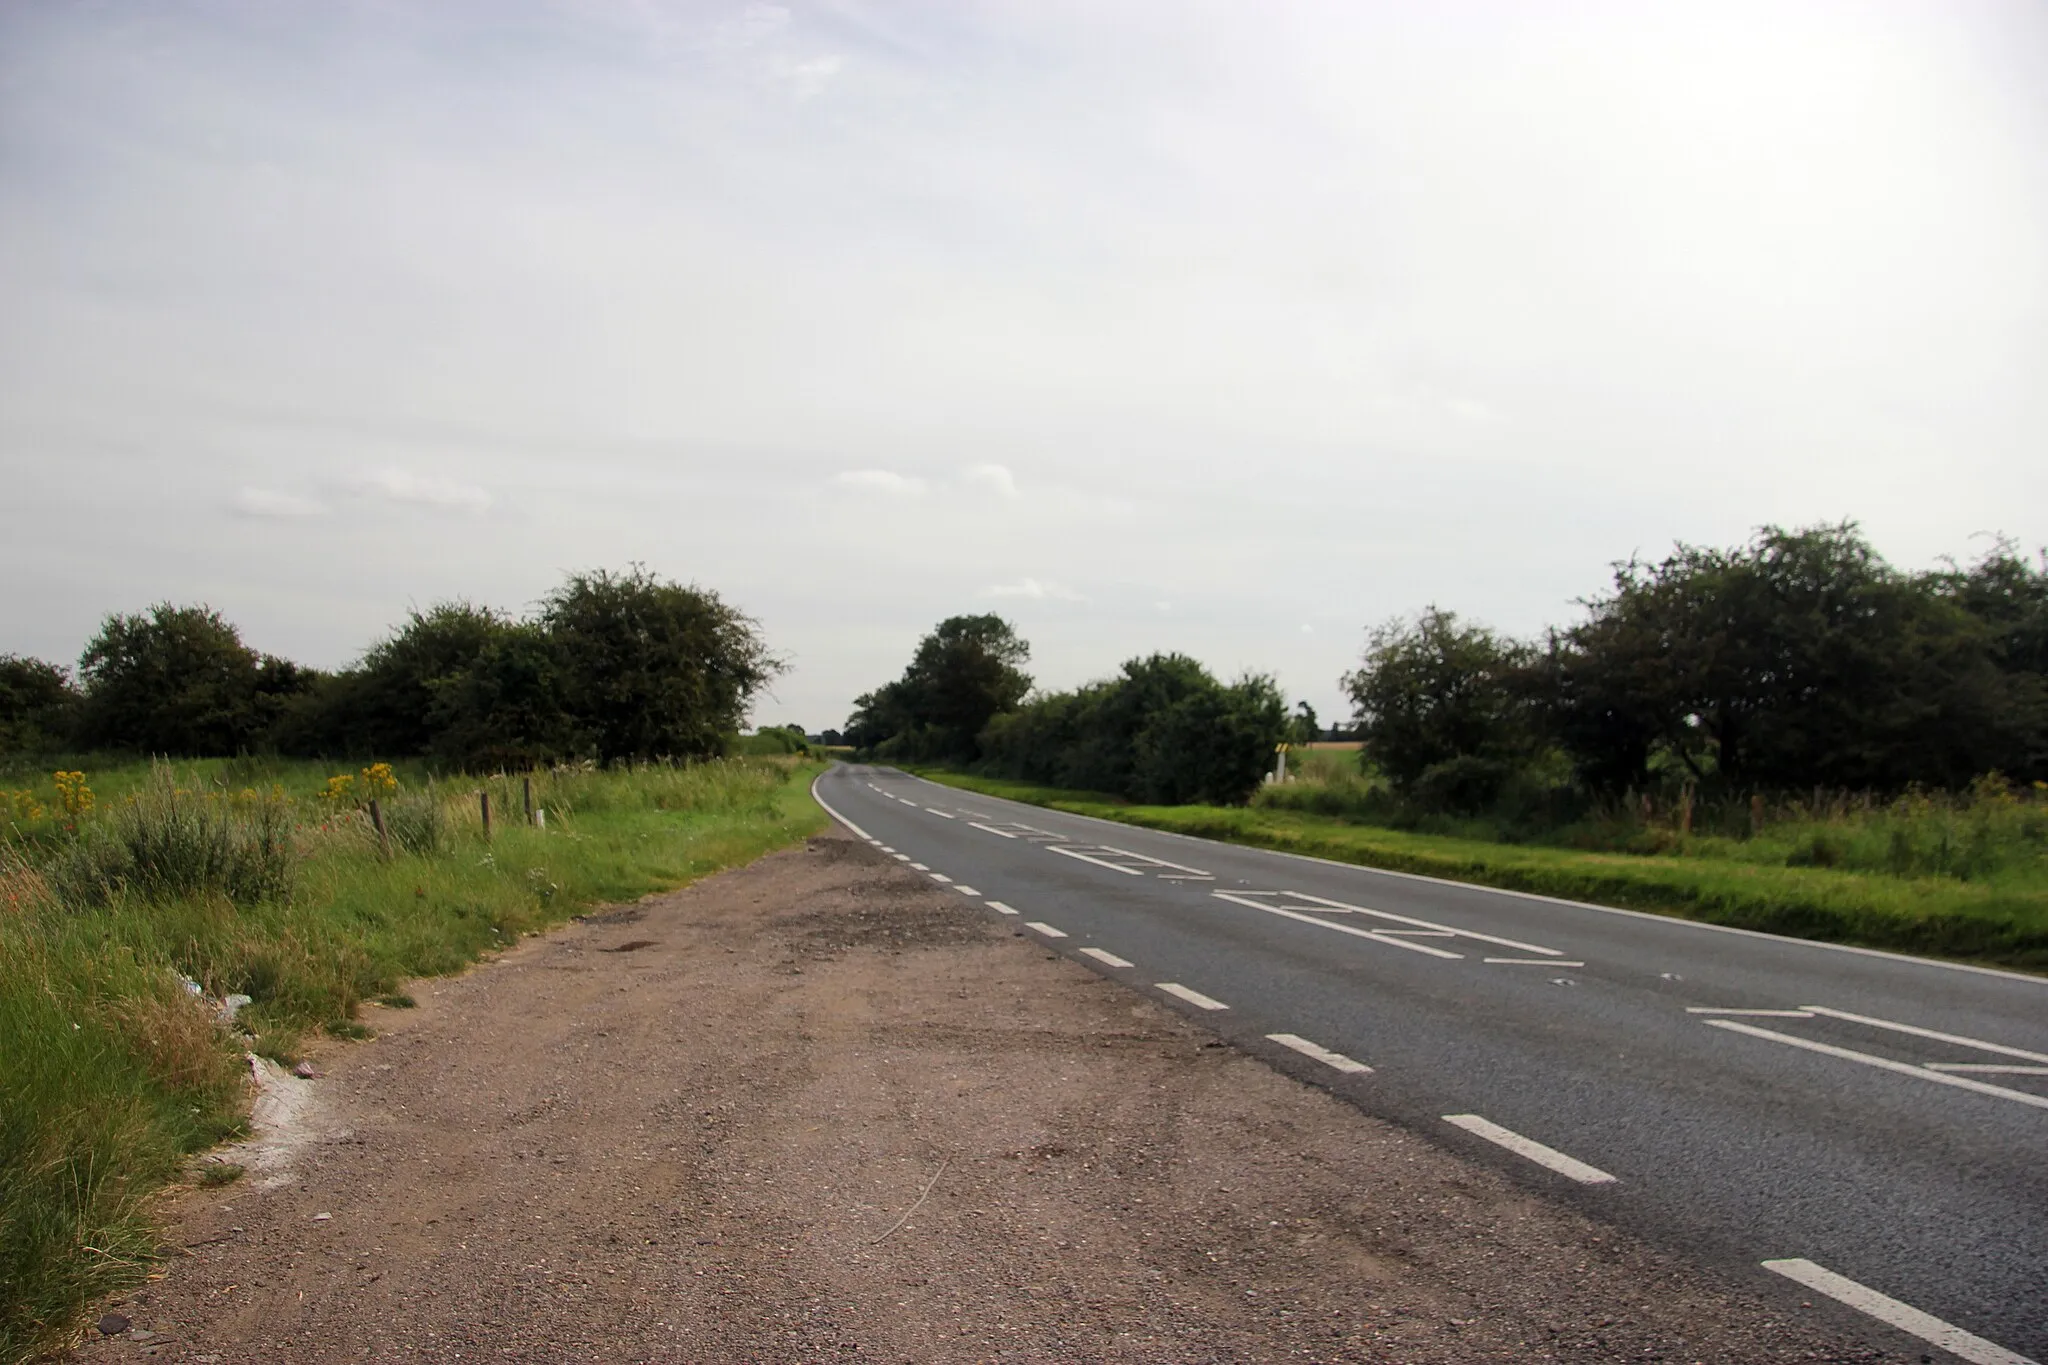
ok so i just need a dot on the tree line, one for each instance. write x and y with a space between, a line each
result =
611 666
1162 730
1798 659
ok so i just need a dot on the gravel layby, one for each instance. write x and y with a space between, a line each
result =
691 1130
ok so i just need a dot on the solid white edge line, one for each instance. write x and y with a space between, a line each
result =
999 907
822 805
967 891
1335 1060
1528 895
1988 1068
1882 1063
1104 955
1936 1035
1548 1157
1890 1311
1340 928
1042 927
1193 997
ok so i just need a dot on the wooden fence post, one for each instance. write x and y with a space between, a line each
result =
377 823
526 791
484 804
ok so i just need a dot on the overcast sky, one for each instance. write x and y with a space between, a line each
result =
1228 329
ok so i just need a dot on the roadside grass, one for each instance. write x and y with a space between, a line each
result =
1999 919
113 1073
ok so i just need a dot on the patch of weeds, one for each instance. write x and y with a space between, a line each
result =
348 1028
395 1001
217 1173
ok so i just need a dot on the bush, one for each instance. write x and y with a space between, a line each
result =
167 843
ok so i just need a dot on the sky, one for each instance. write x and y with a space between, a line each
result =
1231 329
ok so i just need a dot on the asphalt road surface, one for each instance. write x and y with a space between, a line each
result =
1867 1131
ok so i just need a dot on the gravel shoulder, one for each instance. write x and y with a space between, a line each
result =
819 1108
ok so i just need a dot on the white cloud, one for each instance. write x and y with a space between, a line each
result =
426 490
752 26
808 77
1031 589
994 477
265 502
883 481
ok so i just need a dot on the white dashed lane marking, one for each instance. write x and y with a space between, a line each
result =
1103 955
1000 908
939 877
920 867
1042 927
1335 1060
1889 1310
1549 1157
941 814
967 891
1193 997
1531 962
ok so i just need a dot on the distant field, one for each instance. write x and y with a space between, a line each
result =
266 879
2000 919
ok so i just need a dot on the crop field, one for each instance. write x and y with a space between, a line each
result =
135 899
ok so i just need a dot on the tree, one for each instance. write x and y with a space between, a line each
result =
964 674
504 707
1302 726
1800 658
1162 730
651 668
38 705
1433 692
176 680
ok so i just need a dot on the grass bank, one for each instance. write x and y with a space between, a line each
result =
1994 921
122 888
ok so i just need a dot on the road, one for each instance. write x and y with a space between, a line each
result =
1866 1132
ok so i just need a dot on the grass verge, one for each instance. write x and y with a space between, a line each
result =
1937 916
112 1072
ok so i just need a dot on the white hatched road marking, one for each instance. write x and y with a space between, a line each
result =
999 833
1883 1063
1765 1014
1903 1316
1336 1060
1549 1157
1939 1037
1285 913
1113 867
1000 908
1536 948
1104 955
1042 927
1193 997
